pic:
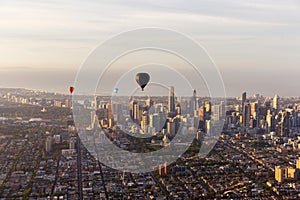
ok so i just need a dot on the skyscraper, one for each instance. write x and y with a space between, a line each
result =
145 121
275 102
134 111
246 114
193 104
171 100
270 121
149 102
244 97
216 112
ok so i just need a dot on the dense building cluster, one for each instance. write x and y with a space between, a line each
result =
256 156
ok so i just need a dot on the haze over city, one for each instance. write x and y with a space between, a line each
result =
169 99
255 44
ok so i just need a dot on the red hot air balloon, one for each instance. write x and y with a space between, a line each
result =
71 89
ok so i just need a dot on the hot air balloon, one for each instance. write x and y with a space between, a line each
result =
71 89
116 90
142 79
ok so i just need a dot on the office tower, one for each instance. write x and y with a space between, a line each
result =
254 108
208 127
154 122
109 111
201 117
253 122
94 120
207 107
222 109
215 112
296 117
202 113
183 107
275 102
176 121
158 108
285 124
254 112
279 174
171 128
178 109
145 121
171 100
270 121
244 97
246 114
134 111
193 103
149 102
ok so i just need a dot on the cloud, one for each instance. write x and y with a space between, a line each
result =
41 34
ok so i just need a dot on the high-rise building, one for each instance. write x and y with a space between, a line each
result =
202 113
134 111
208 127
285 124
275 102
178 109
154 122
222 109
279 174
215 112
149 102
193 103
207 108
145 121
171 128
254 108
244 97
246 114
270 121
171 100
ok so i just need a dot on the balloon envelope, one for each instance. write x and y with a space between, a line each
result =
116 90
71 89
142 79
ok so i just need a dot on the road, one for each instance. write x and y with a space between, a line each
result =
79 171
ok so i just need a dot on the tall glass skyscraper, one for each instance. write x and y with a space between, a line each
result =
171 100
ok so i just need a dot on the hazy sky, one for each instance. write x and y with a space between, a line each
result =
255 43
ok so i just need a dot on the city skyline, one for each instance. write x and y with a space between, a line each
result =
44 155
172 99
258 39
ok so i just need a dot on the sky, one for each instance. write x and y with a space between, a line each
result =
254 43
